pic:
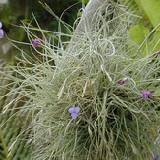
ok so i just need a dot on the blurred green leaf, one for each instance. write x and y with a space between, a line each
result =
151 9
157 92
84 1
138 33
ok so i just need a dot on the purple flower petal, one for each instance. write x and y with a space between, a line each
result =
71 110
36 42
74 111
74 115
122 81
2 33
146 94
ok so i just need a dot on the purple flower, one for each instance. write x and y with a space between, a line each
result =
74 111
2 33
146 94
36 42
122 81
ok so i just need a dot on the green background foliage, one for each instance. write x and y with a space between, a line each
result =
17 12
146 33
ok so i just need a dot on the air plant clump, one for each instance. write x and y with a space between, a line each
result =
111 121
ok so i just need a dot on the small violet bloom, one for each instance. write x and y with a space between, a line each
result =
146 94
2 33
122 81
36 42
74 111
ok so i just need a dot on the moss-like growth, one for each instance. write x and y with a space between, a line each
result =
116 119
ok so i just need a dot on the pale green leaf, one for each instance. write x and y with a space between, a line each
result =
151 9
138 33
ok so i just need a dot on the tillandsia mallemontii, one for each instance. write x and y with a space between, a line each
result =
112 115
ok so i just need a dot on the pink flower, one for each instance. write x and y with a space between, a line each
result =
36 42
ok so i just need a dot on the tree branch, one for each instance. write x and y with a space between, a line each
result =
86 23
